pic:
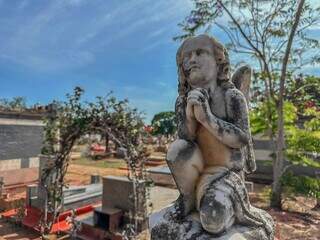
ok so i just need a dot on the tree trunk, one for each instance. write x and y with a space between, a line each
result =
107 143
317 206
279 163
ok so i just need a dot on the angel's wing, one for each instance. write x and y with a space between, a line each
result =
242 79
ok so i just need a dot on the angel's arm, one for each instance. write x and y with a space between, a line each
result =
234 134
237 108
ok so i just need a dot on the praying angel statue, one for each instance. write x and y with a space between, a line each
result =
213 151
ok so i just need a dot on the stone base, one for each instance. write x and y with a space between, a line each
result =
164 226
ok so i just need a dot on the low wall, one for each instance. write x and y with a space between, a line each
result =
264 174
19 176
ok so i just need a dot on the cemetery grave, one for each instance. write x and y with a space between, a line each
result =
219 141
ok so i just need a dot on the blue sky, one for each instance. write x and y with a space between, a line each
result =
50 46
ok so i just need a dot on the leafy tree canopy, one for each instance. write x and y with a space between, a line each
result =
302 141
164 123
14 104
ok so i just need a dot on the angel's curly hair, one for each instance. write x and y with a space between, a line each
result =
222 59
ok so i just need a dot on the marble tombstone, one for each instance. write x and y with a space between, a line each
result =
213 151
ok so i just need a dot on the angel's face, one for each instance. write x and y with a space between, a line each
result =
199 64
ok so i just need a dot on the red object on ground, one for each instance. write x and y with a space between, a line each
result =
148 128
62 225
98 148
33 217
10 213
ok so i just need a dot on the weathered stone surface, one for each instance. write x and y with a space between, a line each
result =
16 142
117 193
164 226
213 151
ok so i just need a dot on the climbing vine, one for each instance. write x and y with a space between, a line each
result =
67 122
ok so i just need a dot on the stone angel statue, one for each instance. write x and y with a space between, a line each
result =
214 148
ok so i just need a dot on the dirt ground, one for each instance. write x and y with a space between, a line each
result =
79 174
297 222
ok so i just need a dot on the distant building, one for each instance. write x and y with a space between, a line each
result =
21 139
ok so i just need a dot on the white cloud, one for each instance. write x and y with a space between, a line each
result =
48 37
153 45
157 32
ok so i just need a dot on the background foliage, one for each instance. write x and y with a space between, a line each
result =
164 123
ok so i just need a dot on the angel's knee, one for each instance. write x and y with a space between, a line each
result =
180 150
216 213
185 154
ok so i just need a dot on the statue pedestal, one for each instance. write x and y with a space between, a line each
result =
164 226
